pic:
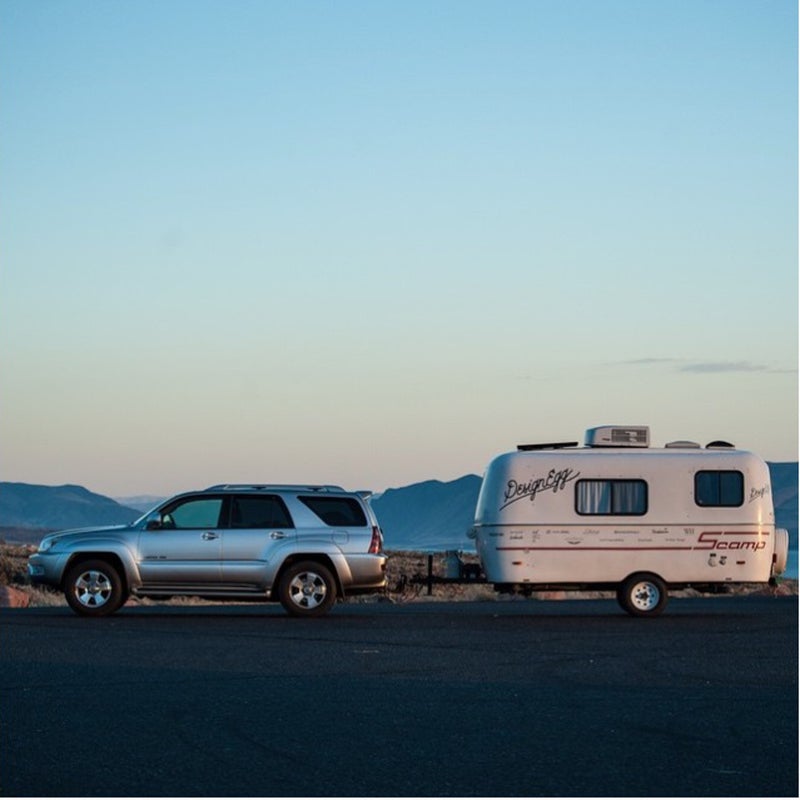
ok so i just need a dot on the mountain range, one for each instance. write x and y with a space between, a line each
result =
432 515
26 505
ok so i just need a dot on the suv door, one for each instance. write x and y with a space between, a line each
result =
185 545
258 526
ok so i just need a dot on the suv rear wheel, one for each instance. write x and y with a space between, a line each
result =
94 588
307 589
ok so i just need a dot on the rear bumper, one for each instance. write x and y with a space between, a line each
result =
353 591
367 572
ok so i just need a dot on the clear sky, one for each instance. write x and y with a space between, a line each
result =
377 242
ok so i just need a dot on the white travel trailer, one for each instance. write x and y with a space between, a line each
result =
617 514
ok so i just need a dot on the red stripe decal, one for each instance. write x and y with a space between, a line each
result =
578 547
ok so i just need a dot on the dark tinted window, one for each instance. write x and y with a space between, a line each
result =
611 498
719 488
259 512
338 512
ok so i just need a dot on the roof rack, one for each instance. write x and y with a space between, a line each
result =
291 487
548 446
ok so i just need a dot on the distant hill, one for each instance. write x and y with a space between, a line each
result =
432 515
436 516
25 505
784 495
141 502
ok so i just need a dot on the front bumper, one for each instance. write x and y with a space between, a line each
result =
46 569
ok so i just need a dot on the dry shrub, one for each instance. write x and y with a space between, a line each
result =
14 564
406 574
14 573
43 596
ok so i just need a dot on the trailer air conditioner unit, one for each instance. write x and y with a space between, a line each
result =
618 436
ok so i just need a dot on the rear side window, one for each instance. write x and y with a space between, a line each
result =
259 512
720 488
338 512
611 498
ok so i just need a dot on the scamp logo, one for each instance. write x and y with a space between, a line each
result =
555 481
715 541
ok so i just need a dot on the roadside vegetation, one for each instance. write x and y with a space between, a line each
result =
406 572
14 574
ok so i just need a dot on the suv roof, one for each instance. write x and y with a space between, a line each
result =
286 487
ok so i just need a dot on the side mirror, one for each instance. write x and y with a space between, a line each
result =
153 522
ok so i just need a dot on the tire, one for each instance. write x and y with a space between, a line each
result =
643 595
94 588
307 589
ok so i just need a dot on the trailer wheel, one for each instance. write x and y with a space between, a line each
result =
643 595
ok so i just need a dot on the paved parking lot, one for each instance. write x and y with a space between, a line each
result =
484 699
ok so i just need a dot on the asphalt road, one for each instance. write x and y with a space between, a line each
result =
568 698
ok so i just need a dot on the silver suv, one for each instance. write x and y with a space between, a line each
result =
301 545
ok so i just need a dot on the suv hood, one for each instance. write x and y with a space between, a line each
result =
96 529
81 533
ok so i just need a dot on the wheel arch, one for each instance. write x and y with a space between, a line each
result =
643 574
319 558
112 558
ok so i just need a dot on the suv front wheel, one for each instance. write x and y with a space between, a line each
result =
94 588
307 589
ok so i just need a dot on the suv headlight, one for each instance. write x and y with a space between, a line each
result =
46 544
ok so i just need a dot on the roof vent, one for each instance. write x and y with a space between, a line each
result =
683 445
719 443
618 436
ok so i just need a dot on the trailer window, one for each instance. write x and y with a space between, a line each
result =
721 488
611 498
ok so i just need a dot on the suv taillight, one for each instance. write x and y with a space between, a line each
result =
376 545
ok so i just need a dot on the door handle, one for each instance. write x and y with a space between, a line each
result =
209 536
277 535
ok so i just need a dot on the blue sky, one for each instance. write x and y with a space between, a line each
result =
373 243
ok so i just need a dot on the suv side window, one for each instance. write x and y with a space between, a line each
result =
259 512
338 512
196 512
